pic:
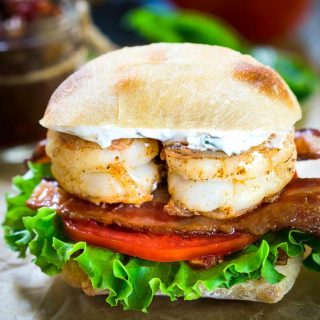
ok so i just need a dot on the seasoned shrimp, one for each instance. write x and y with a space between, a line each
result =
220 186
203 166
125 172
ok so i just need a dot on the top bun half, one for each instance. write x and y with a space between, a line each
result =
174 86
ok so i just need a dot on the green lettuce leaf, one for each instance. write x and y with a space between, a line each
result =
300 77
183 26
16 236
133 282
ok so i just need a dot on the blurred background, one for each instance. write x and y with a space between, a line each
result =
43 41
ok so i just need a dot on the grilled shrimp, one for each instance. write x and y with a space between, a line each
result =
203 166
124 172
215 184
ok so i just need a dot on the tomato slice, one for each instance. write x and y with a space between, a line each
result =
160 248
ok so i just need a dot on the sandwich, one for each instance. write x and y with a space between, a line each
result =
170 169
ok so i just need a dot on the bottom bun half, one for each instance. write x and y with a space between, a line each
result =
252 290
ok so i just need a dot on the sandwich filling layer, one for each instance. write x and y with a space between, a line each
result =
230 142
40 231
206 182
123 173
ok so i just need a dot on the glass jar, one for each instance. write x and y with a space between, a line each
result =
31 68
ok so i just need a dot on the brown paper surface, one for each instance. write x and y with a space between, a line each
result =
26 293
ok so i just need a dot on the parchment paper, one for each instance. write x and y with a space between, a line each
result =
26 293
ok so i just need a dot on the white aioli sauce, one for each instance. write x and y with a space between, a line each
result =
230 142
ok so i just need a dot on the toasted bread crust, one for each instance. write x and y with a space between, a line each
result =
174 86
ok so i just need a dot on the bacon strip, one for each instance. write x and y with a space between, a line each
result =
308 144
298 207
39 153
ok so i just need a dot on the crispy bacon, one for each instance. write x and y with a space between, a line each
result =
308 144
298 207
205 262
39 153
